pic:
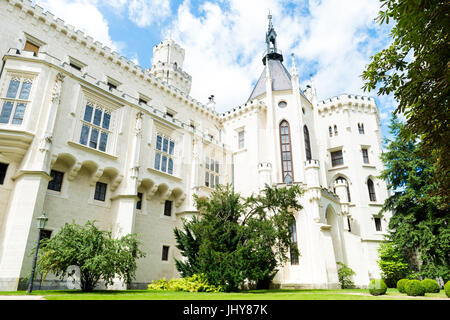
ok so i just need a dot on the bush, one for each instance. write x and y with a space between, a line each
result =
414 288
377 287
344 274
195 283
430 286
401 285
447 289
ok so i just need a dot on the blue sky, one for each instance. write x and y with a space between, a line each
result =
332 40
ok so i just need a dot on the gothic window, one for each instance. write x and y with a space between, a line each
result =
95 127
335 130
286 154
293 235
164 154
365 155
56 183
361 128
3 168
100 191
371 189
330 130
211 173
16 99
337 158
307 143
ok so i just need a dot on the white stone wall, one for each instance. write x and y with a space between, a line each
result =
48 139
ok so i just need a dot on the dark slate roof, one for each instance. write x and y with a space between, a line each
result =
281 79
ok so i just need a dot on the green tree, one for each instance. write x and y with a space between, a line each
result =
94 251
415 68
237 239
345 274
418 226
391 263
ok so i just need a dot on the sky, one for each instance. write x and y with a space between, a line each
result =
224 40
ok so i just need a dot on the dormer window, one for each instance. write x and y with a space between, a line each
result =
29 46
112 84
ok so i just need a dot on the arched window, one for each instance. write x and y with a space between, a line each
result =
286 153
335 130
293 234
307 143
371 189
330 130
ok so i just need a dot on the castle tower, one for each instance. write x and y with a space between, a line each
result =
168 58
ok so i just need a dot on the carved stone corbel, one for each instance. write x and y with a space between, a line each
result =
166 196
180 200
152 192
74 171
96 176
116 182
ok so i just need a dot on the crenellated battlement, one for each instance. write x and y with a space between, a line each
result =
347 101
106 52
242 109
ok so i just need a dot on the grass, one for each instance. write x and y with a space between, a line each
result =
284 294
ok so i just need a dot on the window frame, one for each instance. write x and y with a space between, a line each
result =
308 151
371 190
168 208
378 225
165 253
99 127
294 258
100 193
52 182
287 165
212 172
336 162
160 153
17 100
365 155
241 139
3 173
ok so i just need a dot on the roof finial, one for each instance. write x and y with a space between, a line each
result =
294 67
270 20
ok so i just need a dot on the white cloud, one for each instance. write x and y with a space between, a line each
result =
224 45
83 15
145 12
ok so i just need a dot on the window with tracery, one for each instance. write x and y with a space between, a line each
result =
286 152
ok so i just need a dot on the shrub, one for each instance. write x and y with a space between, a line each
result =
195 283
377 287
430 286
401 285
344 274
447 289
414 288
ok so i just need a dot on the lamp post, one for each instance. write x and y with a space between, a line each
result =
42 220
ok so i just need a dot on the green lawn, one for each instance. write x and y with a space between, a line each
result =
348 294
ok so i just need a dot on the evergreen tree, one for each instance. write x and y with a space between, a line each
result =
418 227
238 239
415 69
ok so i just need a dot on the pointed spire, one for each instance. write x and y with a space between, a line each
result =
269 16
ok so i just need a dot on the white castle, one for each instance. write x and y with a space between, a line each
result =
86 134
